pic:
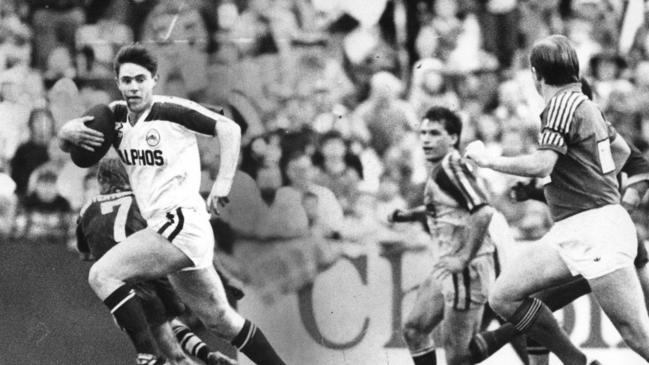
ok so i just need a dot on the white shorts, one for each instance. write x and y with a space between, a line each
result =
190 231
595 242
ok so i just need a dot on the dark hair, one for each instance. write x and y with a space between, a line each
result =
555 60
451 121
137 54
112 174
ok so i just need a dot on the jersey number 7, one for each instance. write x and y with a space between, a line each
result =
123 205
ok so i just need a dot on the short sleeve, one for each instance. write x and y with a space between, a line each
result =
557 120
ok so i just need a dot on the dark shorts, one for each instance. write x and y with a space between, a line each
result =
159 300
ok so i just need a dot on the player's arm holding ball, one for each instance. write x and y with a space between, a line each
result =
75 132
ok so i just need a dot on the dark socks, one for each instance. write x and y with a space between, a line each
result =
426 358
127 310
252 342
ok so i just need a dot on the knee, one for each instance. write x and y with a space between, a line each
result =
97 276
633 334
413 333
497 302
501 302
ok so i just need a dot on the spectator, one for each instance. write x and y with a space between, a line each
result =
8 202
59 65
55 24
181 49
32 153
324 212
14 114
96 45
338 170
47 215
606 69
264 27
499 21
429 87
384 114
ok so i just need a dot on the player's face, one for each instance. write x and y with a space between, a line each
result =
537 81
136 85
435 140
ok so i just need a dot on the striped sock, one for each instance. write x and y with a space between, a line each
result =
191 343
127 311
526 314
252 342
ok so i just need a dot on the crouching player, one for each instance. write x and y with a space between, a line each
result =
107 220
458 216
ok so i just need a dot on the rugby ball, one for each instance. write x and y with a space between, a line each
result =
104 122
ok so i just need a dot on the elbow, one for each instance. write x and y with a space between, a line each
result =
544 169
541 172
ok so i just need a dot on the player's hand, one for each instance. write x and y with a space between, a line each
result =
521 191
477 152
450 265
217 203
76 132
397 216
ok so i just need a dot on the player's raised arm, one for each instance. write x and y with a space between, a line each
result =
536 164
229 136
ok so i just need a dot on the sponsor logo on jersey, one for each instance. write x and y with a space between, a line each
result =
141 157
152 137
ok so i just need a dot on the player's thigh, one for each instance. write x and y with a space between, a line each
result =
428 309
643 276
535 266
143 255
620 296
203 292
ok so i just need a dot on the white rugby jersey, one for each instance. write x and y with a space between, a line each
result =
160 152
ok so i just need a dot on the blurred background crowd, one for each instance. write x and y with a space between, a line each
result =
329 94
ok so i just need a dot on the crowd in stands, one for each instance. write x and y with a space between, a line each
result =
329 94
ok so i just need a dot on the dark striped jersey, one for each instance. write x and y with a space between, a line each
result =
107 220
160 152
452 193
583 177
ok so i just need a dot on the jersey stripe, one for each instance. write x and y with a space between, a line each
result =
465 181
456 289
179 227
561 110
170 220
467 288
187 113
